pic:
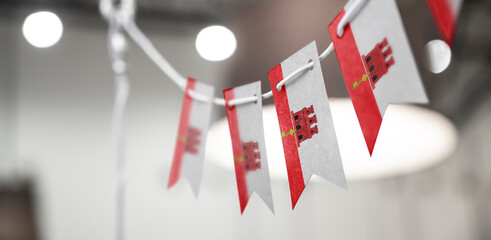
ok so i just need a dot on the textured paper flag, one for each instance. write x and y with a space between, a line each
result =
246 130
191 136
445 13
377 64
307 130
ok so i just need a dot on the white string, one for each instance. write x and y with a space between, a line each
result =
122 92
146 45
326 52
137 35
149 49
106 9
240 101
117 48
126 9
198 96
293 75
349 14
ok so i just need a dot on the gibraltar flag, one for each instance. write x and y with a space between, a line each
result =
445 13
246 130
377 63
307 129
191 136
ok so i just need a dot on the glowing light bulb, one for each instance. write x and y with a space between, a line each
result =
438 56
215 43
42 29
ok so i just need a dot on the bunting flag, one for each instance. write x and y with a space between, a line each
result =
377 63
246 130
445 14
307 130
191 136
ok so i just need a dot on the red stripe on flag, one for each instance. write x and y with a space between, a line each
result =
444 17
181 134
294 168
237 149
352 67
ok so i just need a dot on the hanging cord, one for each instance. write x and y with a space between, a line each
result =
117 47
137 35
293 75
141 40
349 14
116 43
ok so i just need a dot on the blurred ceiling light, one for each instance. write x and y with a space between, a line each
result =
215 43
411 138
42 29
437 55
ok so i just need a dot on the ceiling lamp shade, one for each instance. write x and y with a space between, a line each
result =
412 138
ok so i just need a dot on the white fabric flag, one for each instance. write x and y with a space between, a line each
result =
377 63
308 136
191 136
246 130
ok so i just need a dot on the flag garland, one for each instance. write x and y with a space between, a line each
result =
378 69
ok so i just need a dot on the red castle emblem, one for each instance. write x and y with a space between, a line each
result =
377 62
251 153
303 124
192 140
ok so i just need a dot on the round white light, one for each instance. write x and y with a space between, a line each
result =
215 43
437 55
42 29
411 138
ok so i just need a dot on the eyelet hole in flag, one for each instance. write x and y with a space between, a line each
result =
227 104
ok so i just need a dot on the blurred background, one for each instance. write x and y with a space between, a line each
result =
57 154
